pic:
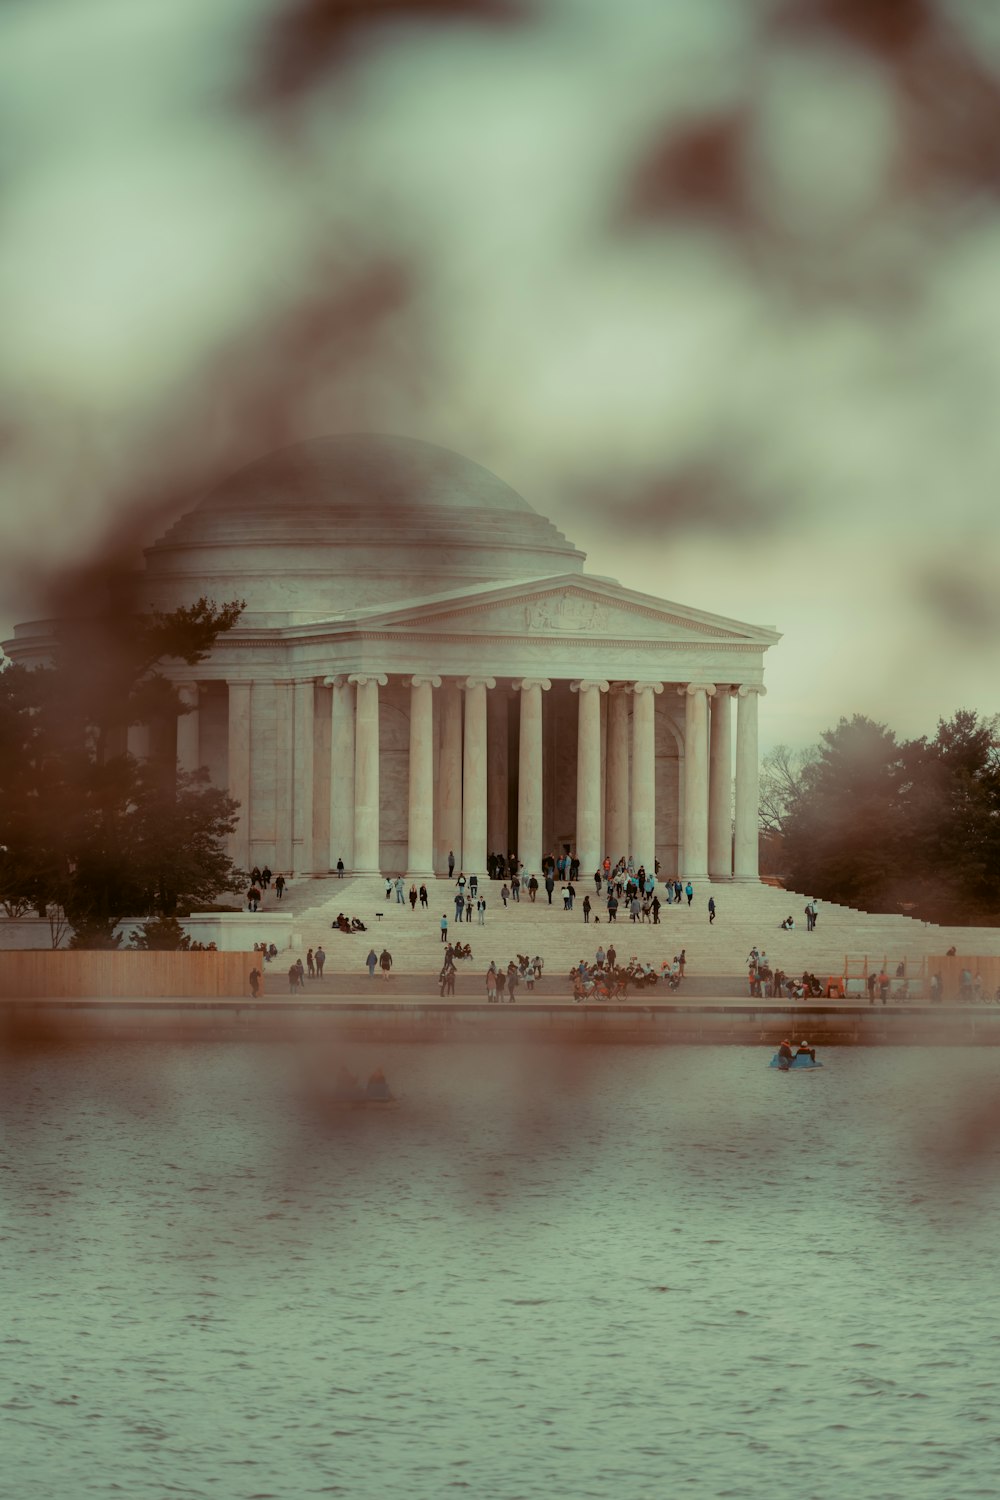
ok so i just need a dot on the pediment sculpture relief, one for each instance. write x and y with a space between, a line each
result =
567 612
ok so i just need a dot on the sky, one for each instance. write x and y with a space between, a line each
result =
714 284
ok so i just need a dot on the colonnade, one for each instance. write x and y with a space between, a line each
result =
615 780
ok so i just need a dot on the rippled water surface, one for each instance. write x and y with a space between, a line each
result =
626 1273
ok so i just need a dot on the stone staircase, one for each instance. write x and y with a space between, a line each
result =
747 914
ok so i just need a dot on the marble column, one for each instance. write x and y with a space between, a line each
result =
450 774
616 778
720 787
474 776
341 771
529 774
588 775
188 733
642 821
284 776
367 852
240 741
498 762
303 761
745 865
420 856
695 850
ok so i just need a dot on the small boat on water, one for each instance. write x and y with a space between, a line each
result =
797 1063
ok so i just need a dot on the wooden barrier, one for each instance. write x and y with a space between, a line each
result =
36 975
987 966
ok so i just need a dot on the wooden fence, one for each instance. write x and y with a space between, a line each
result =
35 974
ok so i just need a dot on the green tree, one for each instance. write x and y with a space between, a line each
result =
846 834
84 827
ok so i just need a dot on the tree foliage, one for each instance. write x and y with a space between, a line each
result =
888 825
85 828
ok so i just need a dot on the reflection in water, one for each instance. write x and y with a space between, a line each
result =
549 1273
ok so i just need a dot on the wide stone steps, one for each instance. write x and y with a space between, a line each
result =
748 914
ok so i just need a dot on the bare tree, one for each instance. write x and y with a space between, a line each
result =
781 775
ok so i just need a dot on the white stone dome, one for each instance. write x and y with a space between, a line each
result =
338 523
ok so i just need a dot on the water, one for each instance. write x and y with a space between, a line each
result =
627 1273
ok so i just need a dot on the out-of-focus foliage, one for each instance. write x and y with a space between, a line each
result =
85 828
887 825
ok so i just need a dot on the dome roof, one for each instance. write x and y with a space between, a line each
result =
357 519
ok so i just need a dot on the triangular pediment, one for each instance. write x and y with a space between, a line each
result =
572 605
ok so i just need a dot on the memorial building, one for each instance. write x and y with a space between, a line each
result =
424 666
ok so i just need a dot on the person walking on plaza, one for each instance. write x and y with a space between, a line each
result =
505 894
279 886
447 978
444 927
254 983
532 889
550 885
253 898
320 961
293 978
711 910
385 962
372 962
423 897
300 970
612 908
689 892
515 887
491 984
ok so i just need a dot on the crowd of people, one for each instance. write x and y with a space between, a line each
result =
260 881
773 983
605 979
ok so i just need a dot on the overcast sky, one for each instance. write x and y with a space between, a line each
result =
713 284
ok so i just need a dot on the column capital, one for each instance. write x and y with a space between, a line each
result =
746 688
339 679
644 687
467 683
688 689
523 684
586 685
419 680
362 679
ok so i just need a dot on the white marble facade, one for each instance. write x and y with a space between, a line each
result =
424 666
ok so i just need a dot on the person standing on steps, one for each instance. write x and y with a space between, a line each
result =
413 898
586 908
532 889
340 869
444 927
423 897
711 910
451 864
385 962
689 892
279 886
481 910
320 961
372 962
400 891
311 964
265 877
550 885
